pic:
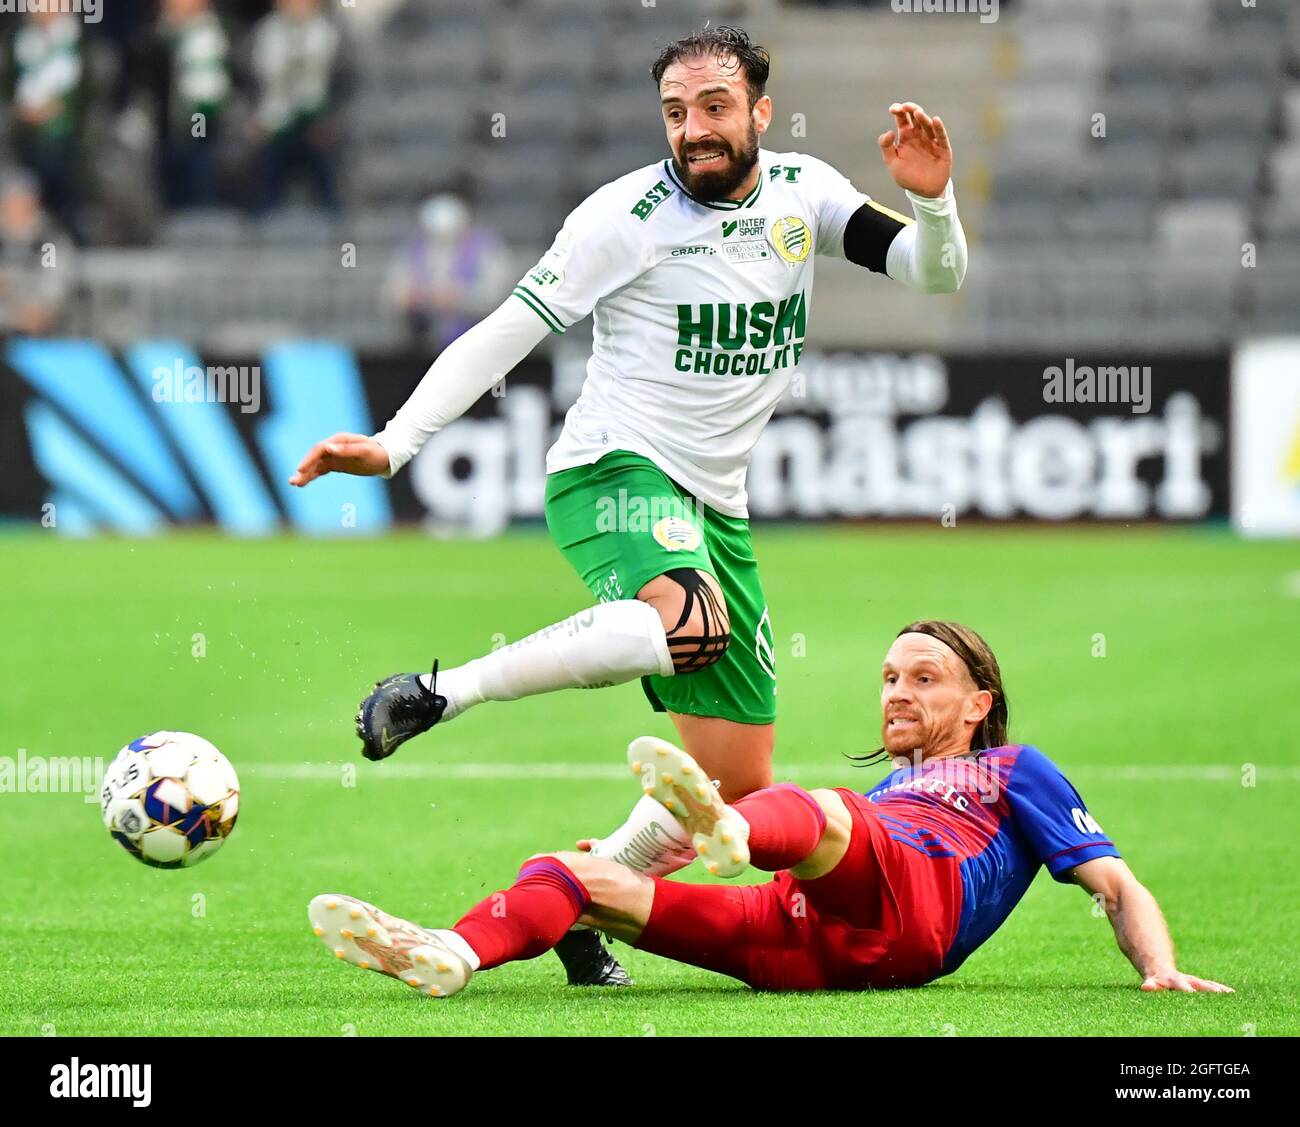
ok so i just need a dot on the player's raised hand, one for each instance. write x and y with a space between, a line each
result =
1186 983
917 151
342 453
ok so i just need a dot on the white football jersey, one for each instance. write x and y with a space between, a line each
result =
700 314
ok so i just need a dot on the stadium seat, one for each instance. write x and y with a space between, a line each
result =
1237 109
297 226
1174 63
381 229
520 222
437 56
1023 300
1104 298
1047 54
1248 57
1102 223
1035 111
1130 170
534 55
608 162
1231 16
1193 302
1284 171
1273 295
1228 171
1281 218
1291 111
204 229
1204 230
626 115
417 16
553 116
1035 180
1012 222
425 113
1064 17
1143 114
1167 28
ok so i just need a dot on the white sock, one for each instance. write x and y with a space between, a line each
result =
651 841
606 644
459 945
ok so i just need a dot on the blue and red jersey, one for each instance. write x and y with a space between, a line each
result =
994 817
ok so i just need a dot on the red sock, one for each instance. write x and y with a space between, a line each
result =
528 918
785 825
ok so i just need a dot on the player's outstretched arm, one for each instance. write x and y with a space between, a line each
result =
1140 928
342 453
917 151
929 255
464 370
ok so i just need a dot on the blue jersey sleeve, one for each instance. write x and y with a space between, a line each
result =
1052 816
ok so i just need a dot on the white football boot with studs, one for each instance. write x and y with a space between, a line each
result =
369 938
672 778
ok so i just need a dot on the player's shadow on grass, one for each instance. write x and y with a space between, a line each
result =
1022 987
726 986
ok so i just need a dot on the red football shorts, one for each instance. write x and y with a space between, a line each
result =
883 917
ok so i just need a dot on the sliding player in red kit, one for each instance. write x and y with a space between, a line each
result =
893 888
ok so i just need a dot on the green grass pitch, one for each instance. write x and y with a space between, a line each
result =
1198 678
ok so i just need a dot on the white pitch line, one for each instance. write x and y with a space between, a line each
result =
608 772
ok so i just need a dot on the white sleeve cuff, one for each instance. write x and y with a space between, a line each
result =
930 255
460 375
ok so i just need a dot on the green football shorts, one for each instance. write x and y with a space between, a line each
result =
620 522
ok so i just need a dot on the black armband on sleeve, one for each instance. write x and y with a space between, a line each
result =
867 236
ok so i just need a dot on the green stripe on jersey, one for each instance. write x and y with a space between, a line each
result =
538 306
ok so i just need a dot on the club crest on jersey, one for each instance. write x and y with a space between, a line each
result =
676 535
792 239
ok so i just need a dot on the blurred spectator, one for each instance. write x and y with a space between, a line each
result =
47 72
185 62
122 21
37 261
449 275
296 60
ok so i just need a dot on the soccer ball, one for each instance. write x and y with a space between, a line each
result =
170 799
